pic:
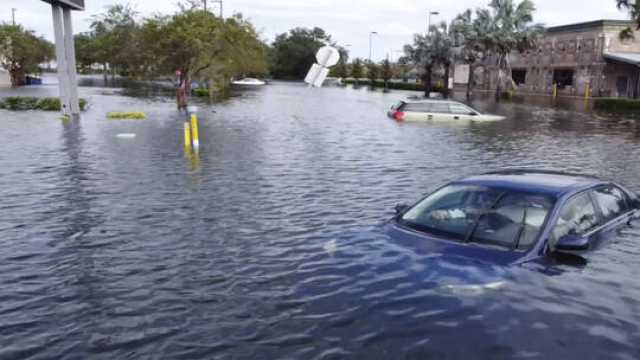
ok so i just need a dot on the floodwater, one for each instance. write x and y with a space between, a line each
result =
267 243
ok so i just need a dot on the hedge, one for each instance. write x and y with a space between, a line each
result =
617 105
34 103
411 86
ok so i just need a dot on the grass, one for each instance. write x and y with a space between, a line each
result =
127 115
23 103
618 105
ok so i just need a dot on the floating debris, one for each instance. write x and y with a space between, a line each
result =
126 136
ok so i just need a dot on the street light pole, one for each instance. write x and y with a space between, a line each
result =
431 13
13 15
370 47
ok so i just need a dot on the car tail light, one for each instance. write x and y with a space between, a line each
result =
398 115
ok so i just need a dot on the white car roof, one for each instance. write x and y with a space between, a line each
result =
422 101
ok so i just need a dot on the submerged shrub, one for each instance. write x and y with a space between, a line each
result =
129 115
33 103
200 92
617 105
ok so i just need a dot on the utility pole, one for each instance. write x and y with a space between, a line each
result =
429 20
13 15
370 47
205 5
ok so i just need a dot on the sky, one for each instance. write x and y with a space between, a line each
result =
348 21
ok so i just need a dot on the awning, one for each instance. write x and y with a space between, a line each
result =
628 58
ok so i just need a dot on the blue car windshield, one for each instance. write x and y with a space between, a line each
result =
481 214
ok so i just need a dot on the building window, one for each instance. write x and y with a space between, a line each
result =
563 77
519 76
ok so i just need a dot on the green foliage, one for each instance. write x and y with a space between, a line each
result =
357 69
127 115
21 52
386 71
202 46
633 8
618 105
200 92
372 72
341 69
411 86
294 52
34 103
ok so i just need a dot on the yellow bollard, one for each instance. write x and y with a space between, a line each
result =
194 130
555 90
187 135
587 92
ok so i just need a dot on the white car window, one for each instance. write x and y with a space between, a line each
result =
417 107
460 109
441 108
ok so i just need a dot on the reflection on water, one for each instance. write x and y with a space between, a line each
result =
268 243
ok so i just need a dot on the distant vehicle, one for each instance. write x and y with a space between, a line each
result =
437 110
516 216
248 82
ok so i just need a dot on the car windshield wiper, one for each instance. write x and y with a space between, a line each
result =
516 241
473 228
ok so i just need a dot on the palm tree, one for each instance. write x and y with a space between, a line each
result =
442 43
509 28
633 7
420 53
468 46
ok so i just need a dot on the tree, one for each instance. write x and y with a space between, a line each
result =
468 47
386 72
356 69
294 52
22 52
372 73
86 51
442 42
510 29
633 7
340 70
421 54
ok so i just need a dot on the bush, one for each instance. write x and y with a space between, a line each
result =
390 85
129 115
49 104
20 103
617 105
200 92
33 103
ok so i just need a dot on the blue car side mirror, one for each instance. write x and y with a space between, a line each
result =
572 243
401 209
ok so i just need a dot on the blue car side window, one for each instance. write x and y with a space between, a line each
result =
577 217
611 201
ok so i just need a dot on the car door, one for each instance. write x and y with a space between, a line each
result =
615 211
439 111
416 111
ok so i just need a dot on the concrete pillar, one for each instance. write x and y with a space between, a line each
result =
63 69
70 52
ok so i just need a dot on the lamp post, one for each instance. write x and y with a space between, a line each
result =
370 41
431 13
13 15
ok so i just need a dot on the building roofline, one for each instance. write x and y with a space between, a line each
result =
589 25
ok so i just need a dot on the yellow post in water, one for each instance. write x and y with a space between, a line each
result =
555 90
587 92
187 135
194 130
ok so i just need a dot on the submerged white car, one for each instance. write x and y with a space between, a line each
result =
437 110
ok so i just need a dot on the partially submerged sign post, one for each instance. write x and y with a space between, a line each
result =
327 56
65 53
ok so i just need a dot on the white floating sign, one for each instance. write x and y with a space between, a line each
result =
327 56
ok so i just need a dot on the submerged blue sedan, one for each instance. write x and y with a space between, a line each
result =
515 216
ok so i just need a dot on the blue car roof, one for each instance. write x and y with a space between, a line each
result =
553 183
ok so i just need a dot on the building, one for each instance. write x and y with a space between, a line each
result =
5 78
576 57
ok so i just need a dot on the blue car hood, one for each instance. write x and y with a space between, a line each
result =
452 264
